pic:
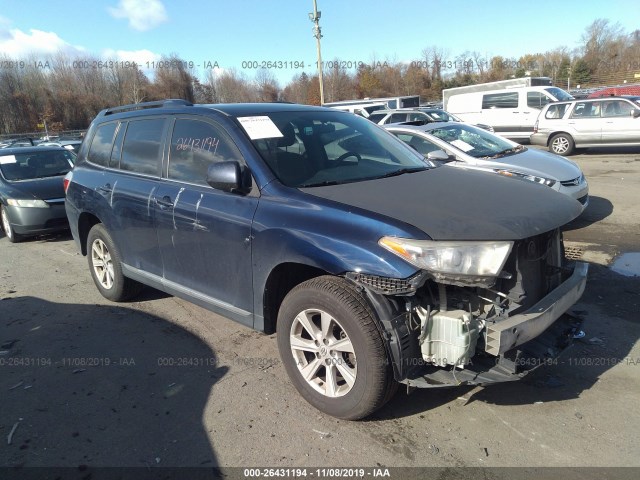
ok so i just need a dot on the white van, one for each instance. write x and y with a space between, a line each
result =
512 112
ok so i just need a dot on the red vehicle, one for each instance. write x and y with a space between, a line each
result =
617 91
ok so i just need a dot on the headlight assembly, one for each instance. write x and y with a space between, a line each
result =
477 259
532 178
14 202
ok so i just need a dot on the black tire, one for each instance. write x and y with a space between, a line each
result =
352 317
12 236
118 288
562 144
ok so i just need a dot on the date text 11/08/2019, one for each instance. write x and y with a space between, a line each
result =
378 472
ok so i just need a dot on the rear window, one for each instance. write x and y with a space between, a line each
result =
32 165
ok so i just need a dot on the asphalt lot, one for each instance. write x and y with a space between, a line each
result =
161 382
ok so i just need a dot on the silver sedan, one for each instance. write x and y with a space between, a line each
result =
463 145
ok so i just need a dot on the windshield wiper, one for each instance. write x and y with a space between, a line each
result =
402 171
507 151
320 184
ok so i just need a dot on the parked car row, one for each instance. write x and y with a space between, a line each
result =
70 144
373 265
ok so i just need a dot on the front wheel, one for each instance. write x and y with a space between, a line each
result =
6 226
332 349
106 268
562 144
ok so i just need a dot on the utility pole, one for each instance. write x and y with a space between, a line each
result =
315 18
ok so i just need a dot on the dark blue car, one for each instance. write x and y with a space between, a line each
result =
373 267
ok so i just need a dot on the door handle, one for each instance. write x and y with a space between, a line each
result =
164 202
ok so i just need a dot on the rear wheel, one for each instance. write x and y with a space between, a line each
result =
106 268
332 349
562 144
6 226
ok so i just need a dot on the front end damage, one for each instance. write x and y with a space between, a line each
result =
444 330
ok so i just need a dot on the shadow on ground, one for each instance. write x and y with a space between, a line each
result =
598 209
93 385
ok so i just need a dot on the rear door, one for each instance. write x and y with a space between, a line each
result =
129 189
204 234
585 121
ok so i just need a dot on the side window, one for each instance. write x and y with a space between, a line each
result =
100 150
194 146
397 117
500 100
141 148
616 108
537 100
417 116
586 110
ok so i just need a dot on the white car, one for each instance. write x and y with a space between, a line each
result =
463 145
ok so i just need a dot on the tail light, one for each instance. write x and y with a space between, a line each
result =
66 181
535 127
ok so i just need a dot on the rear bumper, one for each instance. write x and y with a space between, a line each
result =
36 221
539 139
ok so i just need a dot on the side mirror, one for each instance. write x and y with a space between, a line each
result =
439 156
229 176
635 112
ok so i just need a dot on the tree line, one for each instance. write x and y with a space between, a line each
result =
67 95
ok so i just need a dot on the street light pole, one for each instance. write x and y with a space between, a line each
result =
315 18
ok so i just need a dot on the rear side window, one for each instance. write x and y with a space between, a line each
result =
194 146
556 111
100 150
141 148
500 100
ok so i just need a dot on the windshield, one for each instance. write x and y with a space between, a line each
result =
316 148
32 165
476 142
559 94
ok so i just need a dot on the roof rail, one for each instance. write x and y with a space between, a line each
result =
140 106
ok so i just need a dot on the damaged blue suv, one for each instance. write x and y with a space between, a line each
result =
373 267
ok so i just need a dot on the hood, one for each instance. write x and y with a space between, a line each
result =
454 204
41 188
538 162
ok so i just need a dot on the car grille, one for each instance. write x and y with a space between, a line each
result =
583 200
573 182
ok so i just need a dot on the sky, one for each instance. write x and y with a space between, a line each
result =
221 35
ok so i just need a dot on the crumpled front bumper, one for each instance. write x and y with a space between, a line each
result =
507 334
515 346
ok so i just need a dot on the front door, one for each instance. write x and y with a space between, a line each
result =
204 234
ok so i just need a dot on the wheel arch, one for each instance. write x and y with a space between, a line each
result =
280 281
86 221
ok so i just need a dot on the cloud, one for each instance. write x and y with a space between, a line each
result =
141 57
142 14
15 43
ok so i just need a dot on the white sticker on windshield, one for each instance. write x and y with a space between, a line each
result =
260 127
8 159
464 146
